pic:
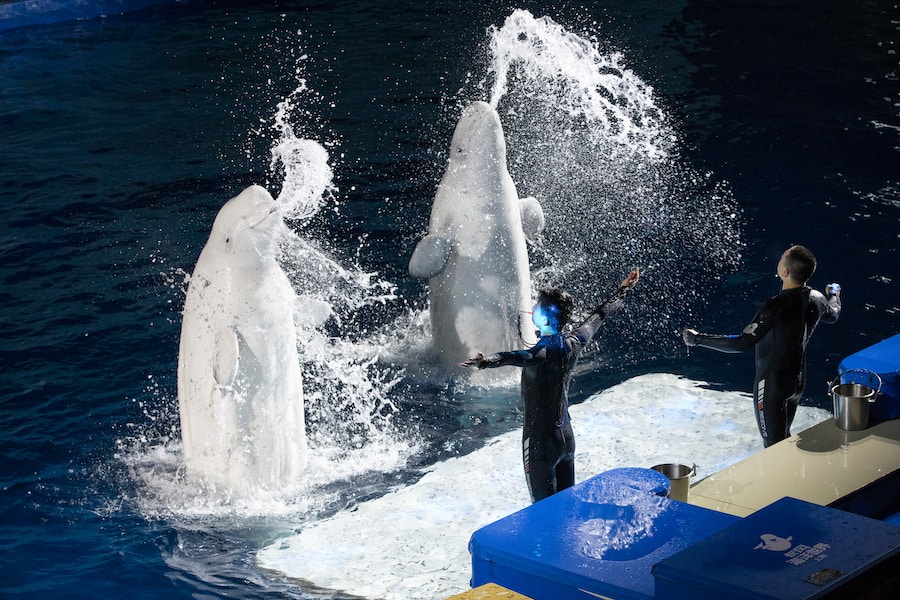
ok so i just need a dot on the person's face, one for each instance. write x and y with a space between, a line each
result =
783 271
542 320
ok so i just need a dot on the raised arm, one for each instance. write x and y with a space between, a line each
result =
832 309
614 302
588 329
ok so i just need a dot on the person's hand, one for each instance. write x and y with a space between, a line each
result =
477 361
690 336
632 279
833 289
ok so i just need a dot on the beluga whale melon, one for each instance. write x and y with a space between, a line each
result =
474 254
240 392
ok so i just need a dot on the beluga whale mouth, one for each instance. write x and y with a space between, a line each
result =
474 254
265 217
268 224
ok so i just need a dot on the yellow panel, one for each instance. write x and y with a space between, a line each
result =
820 465
489 591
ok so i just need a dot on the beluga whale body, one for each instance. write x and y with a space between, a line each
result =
240 392
474 254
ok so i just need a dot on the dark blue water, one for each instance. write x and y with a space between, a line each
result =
121 136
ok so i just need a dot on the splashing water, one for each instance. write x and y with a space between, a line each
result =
585 86
307 174
347 391
588 139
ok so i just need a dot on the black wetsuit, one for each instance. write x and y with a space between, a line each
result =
780 331
548 442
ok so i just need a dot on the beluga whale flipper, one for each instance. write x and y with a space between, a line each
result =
474 254
240 393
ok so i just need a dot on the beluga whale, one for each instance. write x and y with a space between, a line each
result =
474 254
240 391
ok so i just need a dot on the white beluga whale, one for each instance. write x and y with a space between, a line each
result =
474 254
240 393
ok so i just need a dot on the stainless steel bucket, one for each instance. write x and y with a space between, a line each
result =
851 402
679 479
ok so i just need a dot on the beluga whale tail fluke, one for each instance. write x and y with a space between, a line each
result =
240 392
474 254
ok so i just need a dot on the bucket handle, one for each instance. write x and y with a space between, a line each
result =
841 374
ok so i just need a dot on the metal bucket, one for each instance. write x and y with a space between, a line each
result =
852 401
679 477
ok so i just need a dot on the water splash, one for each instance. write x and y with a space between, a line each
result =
349 408
347 389
589 139
307 180
587 88
618 518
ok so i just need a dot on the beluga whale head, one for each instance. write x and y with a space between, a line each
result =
247 226
474 254
478 141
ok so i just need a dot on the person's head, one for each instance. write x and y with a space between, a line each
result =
797 265
552 311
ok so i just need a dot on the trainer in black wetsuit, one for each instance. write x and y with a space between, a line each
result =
548 443
780 331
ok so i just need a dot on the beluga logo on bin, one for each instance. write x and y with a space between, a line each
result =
774 543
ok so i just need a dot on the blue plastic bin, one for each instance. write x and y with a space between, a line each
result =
883 359
599 538
789 550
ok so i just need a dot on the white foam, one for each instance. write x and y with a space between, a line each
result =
412 542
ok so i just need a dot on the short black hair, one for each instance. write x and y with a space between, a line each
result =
558 303
800 262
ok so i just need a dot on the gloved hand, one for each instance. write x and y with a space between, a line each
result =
690 337
476 361
833 289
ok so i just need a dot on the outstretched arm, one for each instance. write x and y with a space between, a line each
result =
516 358
478 361
723 343
752 333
